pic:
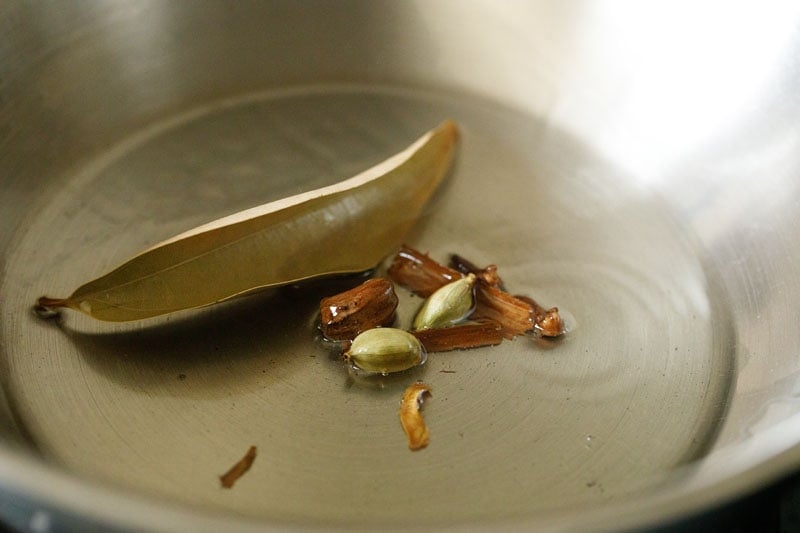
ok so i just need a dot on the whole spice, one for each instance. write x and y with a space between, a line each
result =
548 322
297 238
487 275
516 315
419 273
551 325
411 417
450 303
461 336
385 350
236 471
372 304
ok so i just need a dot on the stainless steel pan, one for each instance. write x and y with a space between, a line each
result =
636 164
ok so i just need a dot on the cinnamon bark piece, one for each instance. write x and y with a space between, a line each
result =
411 417
243 465
460 337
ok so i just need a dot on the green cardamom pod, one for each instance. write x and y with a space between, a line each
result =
451 303
385 350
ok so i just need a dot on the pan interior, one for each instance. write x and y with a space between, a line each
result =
636 389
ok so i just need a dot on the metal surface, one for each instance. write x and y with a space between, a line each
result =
636 165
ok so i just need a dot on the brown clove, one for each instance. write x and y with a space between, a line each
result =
516 315
419 273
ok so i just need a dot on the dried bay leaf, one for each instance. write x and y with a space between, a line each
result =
343 228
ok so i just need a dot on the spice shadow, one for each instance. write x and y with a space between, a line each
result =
240 345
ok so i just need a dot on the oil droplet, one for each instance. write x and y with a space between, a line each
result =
570 323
